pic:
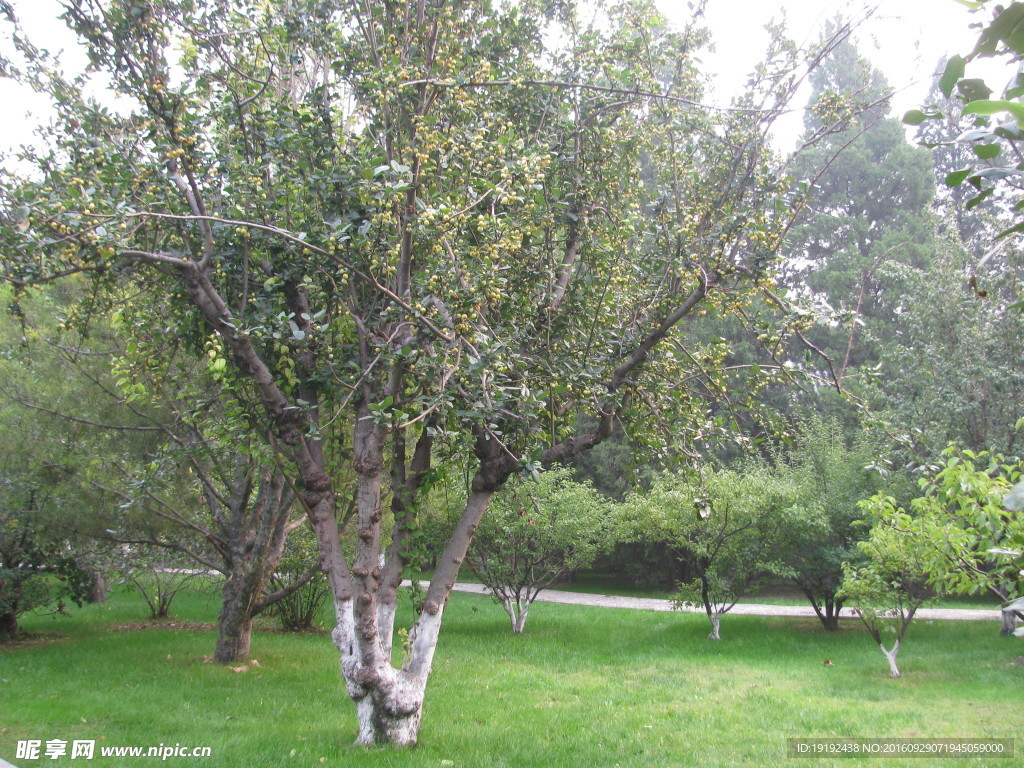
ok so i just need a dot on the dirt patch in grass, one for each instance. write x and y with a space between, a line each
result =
204 626
173 624
30 639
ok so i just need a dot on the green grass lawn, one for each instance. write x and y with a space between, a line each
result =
582 687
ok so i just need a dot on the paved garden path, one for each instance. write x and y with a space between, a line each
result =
743 609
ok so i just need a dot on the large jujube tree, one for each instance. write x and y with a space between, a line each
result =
445 223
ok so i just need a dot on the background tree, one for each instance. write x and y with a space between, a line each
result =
299 609
834 473
181 475
889 588
449 221
537 533
952 373
969 537
868 226
729 525
990 127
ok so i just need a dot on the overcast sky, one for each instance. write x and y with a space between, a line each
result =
905 39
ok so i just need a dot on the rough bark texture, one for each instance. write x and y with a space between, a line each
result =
8 625
254 533
234 626
97 590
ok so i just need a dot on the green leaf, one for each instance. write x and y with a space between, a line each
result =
992 107
914 117
953 72
987 151
956 178
974 89
975 201
1012 230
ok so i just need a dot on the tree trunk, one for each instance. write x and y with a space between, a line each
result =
517 611
389 701
831 618
8 625
520 622
97 590
1009 623
827 610
390 713
890 656
716 621
234 626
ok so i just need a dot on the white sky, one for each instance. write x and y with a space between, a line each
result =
905 39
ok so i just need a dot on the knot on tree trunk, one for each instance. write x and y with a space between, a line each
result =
317 482
431 607
368 463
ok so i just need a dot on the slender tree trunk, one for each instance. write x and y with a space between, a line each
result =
713 615
716 621
520 622
890 656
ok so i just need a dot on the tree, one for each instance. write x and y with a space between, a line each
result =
180 476
868 227
227 512
38 567
889 588
991 127
450 224
537 533
834 474
952 373
730 525
969 536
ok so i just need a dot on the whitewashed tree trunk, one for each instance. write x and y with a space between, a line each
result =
716 621
389 701
1009 623
517 610
890 656
520 622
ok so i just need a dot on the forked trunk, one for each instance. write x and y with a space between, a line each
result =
390 714
389 701
890 656
517 611
827 610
